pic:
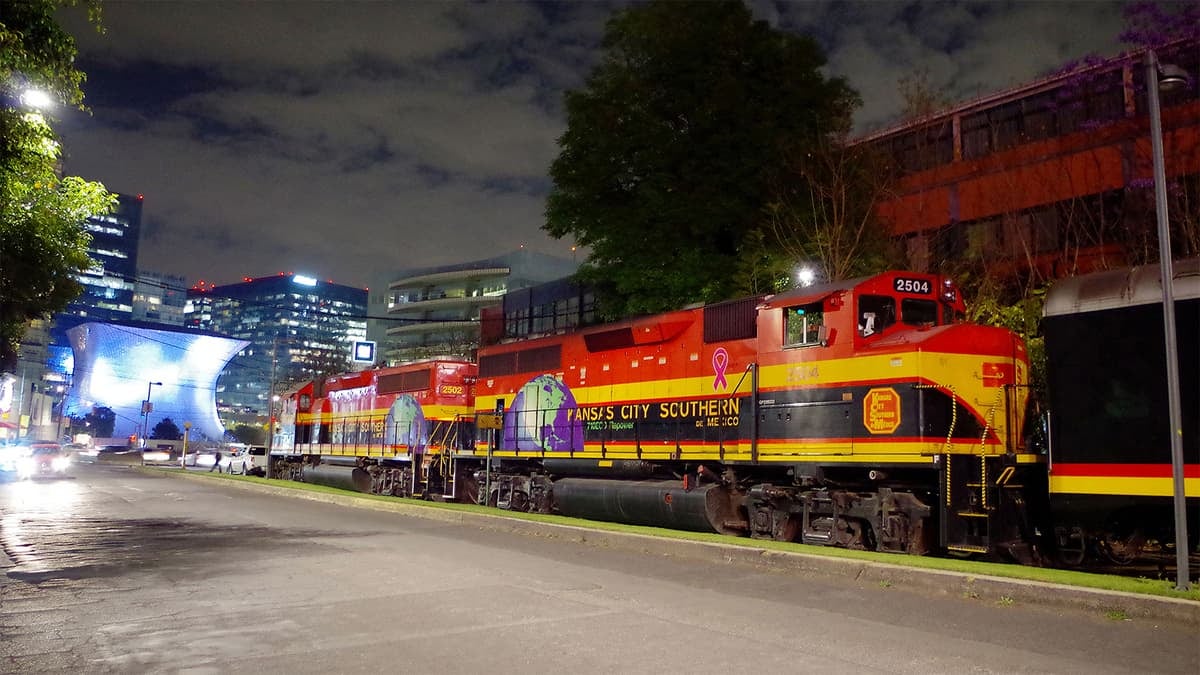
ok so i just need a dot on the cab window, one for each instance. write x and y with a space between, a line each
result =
916 312
802 325
875 313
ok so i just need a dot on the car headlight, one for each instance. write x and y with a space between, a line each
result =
26 466
60 464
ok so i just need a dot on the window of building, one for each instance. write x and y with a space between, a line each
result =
922 148
802 325
983 238
976 135
1038 116
1004 122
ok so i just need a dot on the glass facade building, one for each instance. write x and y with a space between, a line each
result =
108 287
299 328
435 311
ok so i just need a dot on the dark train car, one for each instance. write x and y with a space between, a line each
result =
1111 488
862 414
386 430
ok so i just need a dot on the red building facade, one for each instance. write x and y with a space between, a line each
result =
1051 178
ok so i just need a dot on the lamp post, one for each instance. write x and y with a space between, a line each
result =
187 427
1169 77
271 397
146 408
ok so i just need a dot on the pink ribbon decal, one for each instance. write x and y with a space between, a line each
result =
720 363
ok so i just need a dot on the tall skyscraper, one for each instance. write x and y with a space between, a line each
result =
108 287
298 327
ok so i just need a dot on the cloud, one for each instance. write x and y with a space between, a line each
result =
351 140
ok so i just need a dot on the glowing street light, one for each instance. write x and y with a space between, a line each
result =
1169 77
806 276
37 99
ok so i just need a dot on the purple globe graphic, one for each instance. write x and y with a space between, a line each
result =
540 418
405 424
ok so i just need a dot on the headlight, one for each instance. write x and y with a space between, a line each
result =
26 466
60 464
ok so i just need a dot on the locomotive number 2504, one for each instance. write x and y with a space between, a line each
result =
903 285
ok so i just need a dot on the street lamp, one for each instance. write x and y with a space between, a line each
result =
1169 77
146 408
187 427
805 276
37 99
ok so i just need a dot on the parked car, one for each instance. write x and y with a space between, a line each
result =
237 460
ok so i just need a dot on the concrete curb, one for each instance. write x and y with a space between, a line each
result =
982 588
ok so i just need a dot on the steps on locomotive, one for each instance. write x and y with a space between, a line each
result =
968 504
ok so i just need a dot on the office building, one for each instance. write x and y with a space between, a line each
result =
108 287
159 298
1050 178
298 328
434 311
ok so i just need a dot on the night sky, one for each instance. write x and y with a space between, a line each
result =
353 140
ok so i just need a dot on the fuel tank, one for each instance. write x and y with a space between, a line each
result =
344 477
707 508
620 468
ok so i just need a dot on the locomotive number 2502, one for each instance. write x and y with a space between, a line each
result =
903 285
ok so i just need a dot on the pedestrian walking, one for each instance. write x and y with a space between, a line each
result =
216 463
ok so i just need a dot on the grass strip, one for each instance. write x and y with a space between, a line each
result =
1107 582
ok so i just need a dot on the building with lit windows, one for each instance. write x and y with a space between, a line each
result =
1050 178
435 311
545 309
298 328
108 286
159 298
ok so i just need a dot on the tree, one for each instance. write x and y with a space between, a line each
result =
825 214
43 244
674 145
249 434
166 430
101 422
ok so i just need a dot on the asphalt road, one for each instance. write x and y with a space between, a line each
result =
117 570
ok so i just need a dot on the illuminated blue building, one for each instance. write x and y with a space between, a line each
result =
116 364
297 327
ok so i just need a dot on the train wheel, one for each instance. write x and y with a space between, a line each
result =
519 501
789 529
1122 550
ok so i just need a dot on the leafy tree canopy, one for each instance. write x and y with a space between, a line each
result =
101 422
674 143
248 434
43 244
166 430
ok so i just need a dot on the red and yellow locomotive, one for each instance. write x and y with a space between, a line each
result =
863 414
386 431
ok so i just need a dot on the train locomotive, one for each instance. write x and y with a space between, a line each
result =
862 414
